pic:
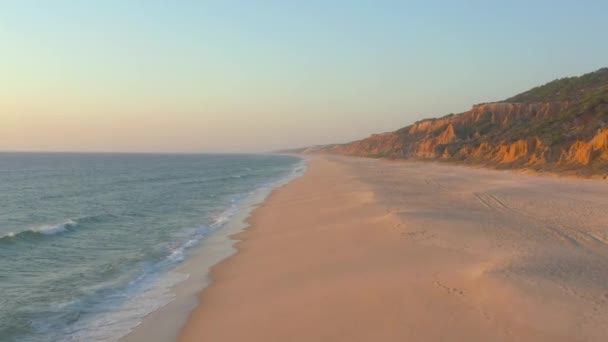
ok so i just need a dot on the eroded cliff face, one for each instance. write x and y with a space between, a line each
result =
500 135
559 126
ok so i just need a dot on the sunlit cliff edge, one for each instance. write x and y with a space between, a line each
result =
561 126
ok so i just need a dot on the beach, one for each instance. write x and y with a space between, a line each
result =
375 250
303 171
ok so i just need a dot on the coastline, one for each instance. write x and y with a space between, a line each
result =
567 174
363 250
165 323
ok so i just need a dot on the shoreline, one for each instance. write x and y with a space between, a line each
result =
165 323
363 250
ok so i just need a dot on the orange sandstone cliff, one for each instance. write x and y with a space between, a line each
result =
560 126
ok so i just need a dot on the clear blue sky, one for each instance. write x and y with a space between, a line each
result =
255 75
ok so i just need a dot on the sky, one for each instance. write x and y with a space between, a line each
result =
252 76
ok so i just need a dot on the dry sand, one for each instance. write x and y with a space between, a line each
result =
372 250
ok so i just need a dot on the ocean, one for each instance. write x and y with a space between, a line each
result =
88 242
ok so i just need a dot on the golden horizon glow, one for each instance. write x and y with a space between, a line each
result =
148 76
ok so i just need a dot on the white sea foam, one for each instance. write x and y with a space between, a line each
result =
179 254
54 229
45 229
149 294
152 290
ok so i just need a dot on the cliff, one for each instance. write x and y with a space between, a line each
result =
560 126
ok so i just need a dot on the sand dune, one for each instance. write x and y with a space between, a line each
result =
372 250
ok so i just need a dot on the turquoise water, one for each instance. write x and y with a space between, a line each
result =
88 241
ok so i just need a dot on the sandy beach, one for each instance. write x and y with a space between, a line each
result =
374 250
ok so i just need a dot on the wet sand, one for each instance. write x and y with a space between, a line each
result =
373 250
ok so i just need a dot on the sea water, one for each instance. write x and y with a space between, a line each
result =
88 241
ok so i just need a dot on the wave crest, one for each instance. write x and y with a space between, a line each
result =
41 230
55 229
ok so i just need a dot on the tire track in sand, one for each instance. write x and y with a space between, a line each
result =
492 202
